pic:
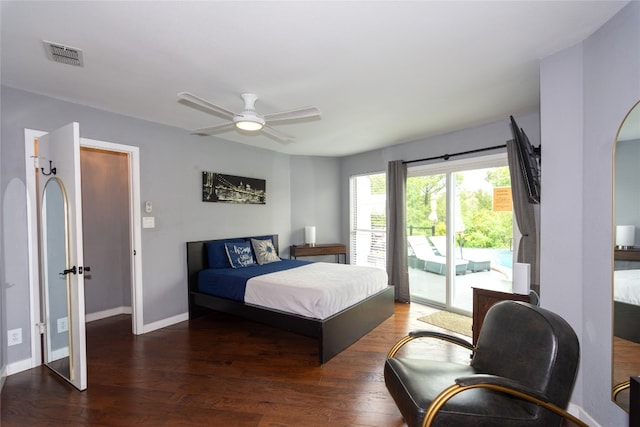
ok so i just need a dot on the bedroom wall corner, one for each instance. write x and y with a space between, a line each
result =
315 198
608 65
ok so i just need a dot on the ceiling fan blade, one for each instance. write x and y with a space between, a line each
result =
190 98
277 134
298 113
213 129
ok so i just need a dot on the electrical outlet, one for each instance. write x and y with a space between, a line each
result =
14 336
63 325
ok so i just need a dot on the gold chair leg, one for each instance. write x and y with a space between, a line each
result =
620 387
398 345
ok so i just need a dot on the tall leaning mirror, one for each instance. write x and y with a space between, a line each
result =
626 258
56 285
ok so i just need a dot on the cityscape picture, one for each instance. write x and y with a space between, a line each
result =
217 187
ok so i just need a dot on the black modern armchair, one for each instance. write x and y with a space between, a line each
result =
522 373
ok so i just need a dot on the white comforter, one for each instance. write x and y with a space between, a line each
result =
626 286
316 290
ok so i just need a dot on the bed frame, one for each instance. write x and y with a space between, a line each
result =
626 318
334 334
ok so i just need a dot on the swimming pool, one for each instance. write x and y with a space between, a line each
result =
499 257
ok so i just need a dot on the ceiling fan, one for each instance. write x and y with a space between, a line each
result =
248 119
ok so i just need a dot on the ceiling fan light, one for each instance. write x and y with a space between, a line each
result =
248 125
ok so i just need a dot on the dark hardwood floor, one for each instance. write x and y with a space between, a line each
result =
627 364
219 371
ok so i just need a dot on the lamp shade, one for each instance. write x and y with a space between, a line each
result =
521 278
625 235
310 235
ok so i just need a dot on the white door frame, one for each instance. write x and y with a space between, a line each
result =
137 321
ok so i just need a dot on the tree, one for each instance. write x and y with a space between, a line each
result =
378 183
499 177
420 192
486 228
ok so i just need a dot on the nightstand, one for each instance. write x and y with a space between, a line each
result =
483 299
336 249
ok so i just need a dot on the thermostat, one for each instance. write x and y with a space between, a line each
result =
148 222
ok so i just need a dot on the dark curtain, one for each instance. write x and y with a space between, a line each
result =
525 217
397 268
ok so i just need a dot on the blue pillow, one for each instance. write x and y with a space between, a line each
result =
239 254
217 253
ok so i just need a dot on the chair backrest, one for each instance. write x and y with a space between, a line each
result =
421 247
440 243
531 345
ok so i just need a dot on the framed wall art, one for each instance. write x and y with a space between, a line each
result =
217 187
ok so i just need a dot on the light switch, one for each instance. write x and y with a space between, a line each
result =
148 222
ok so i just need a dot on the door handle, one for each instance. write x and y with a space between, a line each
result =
86 268
69 270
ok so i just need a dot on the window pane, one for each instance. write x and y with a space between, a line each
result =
483 233
368 220
426 217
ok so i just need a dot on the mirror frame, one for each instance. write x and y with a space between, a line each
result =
58 357
620 388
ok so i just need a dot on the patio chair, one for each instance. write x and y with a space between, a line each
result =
473 264
427 259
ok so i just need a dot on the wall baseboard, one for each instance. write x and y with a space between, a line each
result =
92 317
19 366
60 353
165 322
581 414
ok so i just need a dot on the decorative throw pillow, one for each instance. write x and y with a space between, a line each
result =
217 253
239 254
265 251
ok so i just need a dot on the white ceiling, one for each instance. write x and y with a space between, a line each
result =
381 72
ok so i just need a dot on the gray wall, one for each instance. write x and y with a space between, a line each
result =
3 312
314 184
586 92
172 162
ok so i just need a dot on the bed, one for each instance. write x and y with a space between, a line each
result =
334 332
626 317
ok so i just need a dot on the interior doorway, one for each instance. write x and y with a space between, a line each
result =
113 172
106 230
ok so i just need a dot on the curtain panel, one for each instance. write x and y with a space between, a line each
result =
397 268
525 217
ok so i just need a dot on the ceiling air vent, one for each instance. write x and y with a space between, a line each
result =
64 54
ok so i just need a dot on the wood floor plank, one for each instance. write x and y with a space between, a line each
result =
219 370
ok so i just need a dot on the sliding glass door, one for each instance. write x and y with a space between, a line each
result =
460 231
426 218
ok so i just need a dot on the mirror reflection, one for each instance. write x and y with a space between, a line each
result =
56 292
626 274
